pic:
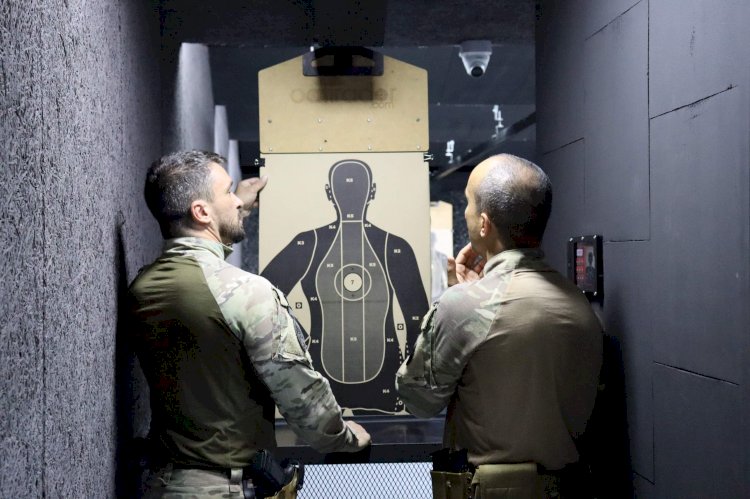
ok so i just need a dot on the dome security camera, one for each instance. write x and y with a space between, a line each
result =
475 54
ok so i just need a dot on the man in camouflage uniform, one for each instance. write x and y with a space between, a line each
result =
219 346
513 349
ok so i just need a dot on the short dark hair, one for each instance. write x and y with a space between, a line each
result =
516 195
174 181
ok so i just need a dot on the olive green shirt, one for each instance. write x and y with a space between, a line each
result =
219 348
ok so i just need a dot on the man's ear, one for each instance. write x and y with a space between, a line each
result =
486 226
200 212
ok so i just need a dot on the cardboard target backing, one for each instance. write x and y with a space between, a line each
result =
331 114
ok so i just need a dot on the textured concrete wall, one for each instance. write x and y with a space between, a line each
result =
79 121
22 265
643 127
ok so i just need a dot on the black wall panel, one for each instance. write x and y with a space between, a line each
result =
699 167
698 48
559 97
597 14
616 127
629 303
565 168
681 183
697 435
643 489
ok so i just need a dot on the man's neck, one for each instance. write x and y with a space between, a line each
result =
495 248
199 233
498 246
490 254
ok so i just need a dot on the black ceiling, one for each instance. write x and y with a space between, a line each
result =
246 36
300 23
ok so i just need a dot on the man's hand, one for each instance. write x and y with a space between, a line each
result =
466 267
247 190
363 438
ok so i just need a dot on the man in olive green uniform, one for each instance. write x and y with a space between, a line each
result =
513 349
219 345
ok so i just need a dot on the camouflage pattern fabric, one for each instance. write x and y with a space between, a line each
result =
427 380
259 315
515 356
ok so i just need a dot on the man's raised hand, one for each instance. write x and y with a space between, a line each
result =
466 267
247 190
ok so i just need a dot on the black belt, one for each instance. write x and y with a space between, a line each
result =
246 471
268 476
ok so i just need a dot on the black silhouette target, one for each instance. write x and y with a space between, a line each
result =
353 329
351 272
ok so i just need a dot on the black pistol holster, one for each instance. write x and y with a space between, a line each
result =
451 474
269 476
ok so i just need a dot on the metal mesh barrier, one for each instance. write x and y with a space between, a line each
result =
367 481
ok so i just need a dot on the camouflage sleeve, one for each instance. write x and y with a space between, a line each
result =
275 343
450 332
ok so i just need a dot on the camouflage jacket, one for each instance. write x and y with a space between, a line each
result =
515 356
258 316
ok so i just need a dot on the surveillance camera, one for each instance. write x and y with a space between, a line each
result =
475 54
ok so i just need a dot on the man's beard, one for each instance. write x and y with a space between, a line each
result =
232 232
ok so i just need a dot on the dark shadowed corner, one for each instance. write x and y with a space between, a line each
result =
129 455
605 446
